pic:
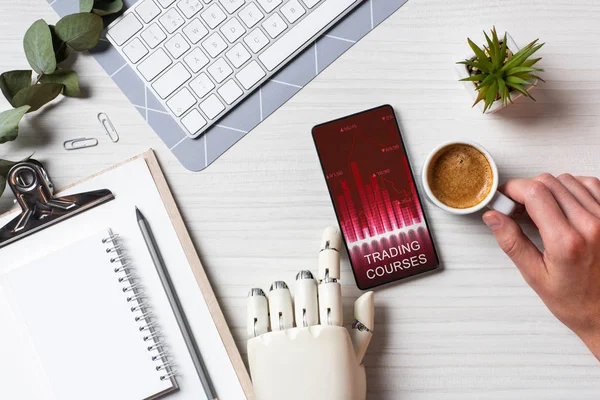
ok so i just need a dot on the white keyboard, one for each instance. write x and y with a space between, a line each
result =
202 57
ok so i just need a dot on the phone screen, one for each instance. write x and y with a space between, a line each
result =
375 198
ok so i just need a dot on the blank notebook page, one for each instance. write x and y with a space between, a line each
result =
72 307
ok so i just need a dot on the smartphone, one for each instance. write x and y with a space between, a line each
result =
375 197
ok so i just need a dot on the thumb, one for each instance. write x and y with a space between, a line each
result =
362 329
521 250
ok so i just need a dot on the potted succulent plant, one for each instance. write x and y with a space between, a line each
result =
500 72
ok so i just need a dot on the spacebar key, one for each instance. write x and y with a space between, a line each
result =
304 32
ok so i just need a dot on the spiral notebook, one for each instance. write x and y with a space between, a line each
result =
67 329
81 308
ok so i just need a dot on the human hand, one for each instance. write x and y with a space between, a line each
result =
312 361
566 275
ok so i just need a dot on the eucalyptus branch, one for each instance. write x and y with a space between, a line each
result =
46 47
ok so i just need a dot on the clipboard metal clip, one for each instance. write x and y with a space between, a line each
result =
34 191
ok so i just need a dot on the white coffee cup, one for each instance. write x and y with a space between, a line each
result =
494 200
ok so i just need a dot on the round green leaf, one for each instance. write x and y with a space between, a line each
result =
37 95
80 31
9 123
107 7
38 48
13 81
86 5
66 77
61 50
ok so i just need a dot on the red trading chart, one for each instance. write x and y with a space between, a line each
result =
375 198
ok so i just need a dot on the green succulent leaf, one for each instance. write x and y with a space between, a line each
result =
503 50
474 78
9 123
37 95
61 50
502 90
516 80
490 96
491 49
80 31
85 6
520 70
480 54
531 63
107 7
66 77
480 96
522 55
474 64
519 88
37 44
13 81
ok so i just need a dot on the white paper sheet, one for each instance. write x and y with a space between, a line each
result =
76 314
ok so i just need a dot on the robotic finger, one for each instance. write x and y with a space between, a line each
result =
280 307
257 313
364 323
330 290
305 300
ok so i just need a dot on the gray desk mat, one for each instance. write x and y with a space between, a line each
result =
197 154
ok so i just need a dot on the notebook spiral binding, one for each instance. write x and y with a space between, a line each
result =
140 307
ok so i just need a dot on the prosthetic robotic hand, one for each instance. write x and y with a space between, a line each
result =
318 359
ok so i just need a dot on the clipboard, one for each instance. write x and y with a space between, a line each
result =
190 254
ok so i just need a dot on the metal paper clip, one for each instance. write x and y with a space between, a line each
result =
109 128
80 143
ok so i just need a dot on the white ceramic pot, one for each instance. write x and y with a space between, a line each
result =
463 72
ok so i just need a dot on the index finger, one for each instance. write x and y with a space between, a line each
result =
541 206
329 255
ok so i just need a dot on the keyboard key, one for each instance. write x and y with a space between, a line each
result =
231 5
147 10
181 102
193 122
310 3
171 20
196 60
251 15
202 85
171 80
212 106
165 3
292 10
230 91
213 16
123 30
220 70
256 40
177 45
274 25
153 36
232 30
154 64
238 55
250 75
195 31
269 5
303 32
135 50
214 45
189 8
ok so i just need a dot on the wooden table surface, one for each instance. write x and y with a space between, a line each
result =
473 330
